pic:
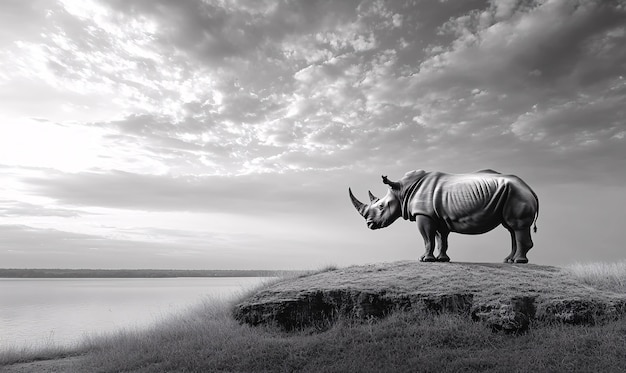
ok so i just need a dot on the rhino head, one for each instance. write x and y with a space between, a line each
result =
380 212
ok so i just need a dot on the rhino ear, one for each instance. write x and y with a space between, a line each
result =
373 198
392 184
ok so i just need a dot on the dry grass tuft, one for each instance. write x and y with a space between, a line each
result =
44 351
605 276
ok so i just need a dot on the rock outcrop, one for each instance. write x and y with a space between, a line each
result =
506 296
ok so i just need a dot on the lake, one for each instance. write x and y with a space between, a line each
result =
61 311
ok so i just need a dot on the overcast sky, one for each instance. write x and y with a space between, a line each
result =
225 134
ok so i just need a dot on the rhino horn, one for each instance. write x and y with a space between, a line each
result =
373 198
360 207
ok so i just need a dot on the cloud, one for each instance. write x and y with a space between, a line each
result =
515 69
222 34
17 208
223 118
245 194
52 248
343 85
521 56
554 40
27 16
565 123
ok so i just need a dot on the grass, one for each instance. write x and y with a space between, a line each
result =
46 351
206 339
605 276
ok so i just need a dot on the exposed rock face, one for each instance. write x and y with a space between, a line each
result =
512 315
505 296
319 307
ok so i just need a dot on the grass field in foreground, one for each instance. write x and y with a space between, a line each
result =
206 338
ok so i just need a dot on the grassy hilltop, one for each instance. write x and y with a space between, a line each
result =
207 338
506 297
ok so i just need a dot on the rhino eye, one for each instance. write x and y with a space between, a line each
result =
381 207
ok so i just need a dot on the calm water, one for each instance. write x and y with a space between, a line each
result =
35 312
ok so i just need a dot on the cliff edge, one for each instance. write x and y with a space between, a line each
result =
507 297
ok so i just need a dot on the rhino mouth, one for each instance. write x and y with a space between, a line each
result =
372 225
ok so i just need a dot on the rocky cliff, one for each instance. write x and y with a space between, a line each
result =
506 296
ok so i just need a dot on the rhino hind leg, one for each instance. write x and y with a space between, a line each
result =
518 214
443 258
523 243
509 258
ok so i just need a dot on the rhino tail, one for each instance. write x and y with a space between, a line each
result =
536 213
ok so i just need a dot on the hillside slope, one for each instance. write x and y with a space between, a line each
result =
506 296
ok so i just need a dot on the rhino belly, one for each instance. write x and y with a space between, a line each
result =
474 224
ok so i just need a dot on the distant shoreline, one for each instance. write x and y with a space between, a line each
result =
134 273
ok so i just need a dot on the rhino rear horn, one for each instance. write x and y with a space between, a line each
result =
360 206
373 198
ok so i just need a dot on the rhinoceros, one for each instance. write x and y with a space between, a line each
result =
471 203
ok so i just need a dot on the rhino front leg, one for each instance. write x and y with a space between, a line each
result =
442 237
428 231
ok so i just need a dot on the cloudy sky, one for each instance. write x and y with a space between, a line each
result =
225 134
